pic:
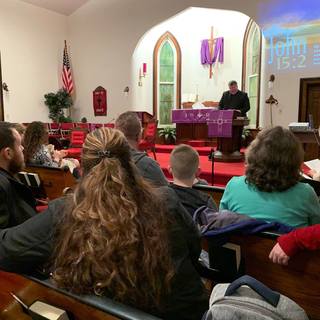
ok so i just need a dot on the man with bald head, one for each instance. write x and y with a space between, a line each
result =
17 203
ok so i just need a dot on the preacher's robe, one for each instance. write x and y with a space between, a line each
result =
238 101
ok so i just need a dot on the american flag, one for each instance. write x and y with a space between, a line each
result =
66 71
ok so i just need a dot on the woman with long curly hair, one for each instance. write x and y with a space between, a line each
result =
35 145
38 151
117 236
271 190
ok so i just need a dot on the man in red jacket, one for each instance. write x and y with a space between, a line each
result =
289 244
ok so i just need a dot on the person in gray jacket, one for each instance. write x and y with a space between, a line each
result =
129 124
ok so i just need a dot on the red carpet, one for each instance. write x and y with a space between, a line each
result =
167 148
223 171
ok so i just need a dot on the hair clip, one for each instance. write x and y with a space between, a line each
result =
104 154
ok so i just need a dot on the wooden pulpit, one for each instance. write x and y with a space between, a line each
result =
228 149
225 125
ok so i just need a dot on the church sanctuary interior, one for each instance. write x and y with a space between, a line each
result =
159 159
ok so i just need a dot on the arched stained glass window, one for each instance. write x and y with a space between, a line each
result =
251 73
167 78
166 83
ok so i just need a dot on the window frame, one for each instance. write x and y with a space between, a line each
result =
1 95
156 74
172 83
250 29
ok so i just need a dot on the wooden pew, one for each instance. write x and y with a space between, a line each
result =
32 289
215 192
299 280
53 180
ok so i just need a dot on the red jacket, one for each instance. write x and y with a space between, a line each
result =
307 238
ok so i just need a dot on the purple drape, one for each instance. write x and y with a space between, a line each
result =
218 54
218 51
205 52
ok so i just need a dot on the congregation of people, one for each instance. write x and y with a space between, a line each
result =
127 232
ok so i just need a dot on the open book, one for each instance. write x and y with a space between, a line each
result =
29 179
312 165
42 311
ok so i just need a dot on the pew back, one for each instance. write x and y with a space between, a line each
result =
30 290
53 180
299 280
215 192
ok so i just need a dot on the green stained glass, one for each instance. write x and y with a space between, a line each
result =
256 42
166 102
253 97
252 114
253 71
166 63
253 86
255 51
166 86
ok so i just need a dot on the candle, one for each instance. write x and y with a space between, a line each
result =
139 73
144 67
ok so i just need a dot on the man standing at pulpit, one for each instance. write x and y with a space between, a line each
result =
235 99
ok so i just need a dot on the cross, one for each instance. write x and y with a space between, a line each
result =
211 44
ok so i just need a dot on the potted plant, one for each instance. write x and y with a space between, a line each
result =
246 137
57 103
168 134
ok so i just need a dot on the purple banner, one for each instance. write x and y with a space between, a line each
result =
221 125
219 121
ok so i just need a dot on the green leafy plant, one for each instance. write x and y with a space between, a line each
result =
168 133
57 102
246 133
246 137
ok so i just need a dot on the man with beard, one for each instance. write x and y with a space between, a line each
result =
17 203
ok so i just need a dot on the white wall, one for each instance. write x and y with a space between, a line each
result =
189 28
31 44
104 34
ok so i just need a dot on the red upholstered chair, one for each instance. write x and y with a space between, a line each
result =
149 138
54 130
65 129
109 125
85 126
76 141
94 126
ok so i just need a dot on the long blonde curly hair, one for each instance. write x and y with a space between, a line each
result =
112 238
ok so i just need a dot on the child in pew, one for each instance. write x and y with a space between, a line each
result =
38 151
289 244
271 189
184 166
116 236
